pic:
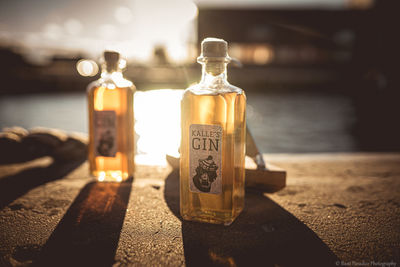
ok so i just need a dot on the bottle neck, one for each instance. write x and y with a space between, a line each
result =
108 72
214 72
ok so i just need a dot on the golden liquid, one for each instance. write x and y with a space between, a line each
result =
227 110
120 100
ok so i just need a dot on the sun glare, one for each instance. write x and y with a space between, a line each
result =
157 115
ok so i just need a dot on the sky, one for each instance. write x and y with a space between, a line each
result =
133 27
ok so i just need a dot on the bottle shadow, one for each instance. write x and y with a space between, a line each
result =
88 233
265 234
16 185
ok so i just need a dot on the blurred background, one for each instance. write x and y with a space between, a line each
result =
320 75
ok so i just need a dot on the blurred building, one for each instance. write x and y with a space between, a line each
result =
285 47
305 47
294 49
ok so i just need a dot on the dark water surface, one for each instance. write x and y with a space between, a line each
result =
280 123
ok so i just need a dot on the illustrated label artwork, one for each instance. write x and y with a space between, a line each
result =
205 158
105 141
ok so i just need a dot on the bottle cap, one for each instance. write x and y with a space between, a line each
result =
214 48
111 60
111 57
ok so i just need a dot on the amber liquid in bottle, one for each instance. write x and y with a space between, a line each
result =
216 103
111 126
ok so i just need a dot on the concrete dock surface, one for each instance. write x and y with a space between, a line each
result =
338 209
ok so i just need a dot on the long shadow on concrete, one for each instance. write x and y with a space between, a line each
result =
88 234
264 234
14 186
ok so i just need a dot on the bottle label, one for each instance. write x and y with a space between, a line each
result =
105 133
205 158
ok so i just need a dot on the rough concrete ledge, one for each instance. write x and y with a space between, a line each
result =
336 209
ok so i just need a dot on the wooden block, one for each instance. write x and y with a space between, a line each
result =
173 161
270 180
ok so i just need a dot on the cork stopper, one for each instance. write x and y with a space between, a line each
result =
111 56
111 59
214 49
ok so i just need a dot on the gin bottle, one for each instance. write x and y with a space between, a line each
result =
213 123
111 123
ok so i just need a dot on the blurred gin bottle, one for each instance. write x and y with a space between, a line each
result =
111 122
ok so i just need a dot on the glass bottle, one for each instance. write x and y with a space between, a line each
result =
213 123
111 123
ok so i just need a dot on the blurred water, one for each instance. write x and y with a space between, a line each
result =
301 122
67 111
280 123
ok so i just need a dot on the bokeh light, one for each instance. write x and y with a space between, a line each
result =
123 14
190 10
73 26
262 55
52 31
87 67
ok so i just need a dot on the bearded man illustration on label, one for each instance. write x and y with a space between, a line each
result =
206 173
106 144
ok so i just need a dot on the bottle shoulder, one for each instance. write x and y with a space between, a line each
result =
204 89
111 84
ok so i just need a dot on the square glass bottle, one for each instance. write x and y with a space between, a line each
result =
111 123
213 123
